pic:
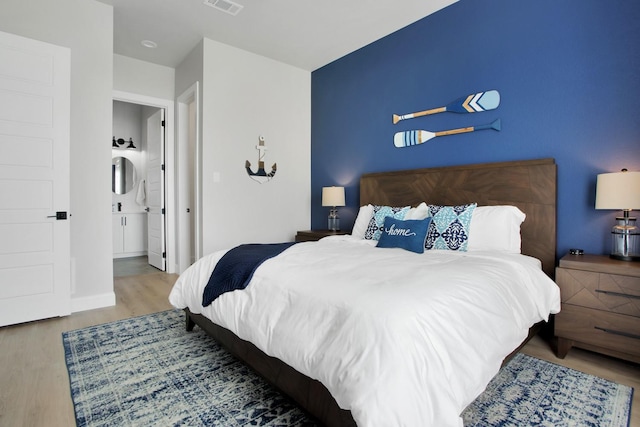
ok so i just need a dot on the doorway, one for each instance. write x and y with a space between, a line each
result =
136 179
148 192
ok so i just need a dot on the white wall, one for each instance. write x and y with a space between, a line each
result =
244 96
143 78
190 69
188 89
86 27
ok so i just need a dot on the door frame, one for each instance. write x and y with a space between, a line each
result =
169 161
192 94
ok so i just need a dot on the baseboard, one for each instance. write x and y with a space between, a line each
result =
93 302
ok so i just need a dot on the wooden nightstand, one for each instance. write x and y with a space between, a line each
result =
600 306
313 235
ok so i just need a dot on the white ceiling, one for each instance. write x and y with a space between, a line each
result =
304 33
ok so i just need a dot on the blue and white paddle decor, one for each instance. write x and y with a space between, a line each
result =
416 137
474 103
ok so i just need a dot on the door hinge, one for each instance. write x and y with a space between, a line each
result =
164 254
162 166
163 123
162 211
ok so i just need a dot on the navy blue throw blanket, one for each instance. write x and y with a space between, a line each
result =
235 269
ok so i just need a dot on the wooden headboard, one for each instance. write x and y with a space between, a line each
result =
529 184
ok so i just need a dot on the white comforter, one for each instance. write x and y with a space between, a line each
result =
398 338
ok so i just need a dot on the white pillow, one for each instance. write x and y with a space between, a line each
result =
495 228
362 221
419 212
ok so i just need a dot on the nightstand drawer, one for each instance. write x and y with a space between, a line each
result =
602 291
609 330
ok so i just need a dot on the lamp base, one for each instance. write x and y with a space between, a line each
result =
334 221
625 239
334 224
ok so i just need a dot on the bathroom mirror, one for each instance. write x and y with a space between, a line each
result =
123 175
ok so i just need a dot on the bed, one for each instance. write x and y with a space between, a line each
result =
360 352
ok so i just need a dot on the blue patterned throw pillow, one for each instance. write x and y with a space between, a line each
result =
409 234
449 227
376 224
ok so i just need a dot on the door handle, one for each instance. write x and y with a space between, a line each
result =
59 215
147 209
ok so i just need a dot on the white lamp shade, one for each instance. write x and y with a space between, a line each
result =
618 190
332 196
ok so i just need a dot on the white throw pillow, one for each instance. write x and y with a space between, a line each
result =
362 221
419 212
495 228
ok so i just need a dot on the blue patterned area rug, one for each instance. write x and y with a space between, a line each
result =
147 371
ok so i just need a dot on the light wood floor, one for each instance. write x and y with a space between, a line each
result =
34 384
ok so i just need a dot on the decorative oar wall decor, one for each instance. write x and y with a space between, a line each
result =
474 103
416 137
261 175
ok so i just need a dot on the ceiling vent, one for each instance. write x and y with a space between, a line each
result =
225 5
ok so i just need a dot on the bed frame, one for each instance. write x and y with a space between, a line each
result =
530 185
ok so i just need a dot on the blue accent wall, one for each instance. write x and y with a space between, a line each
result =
568 73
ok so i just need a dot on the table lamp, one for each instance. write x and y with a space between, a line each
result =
334 197
621 190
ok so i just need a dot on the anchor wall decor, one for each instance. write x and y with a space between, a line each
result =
261 175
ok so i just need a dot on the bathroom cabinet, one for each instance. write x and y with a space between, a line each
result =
129 234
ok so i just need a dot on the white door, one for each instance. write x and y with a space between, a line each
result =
34 180
155 190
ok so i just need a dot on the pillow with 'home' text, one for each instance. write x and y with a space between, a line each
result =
376 224
409 234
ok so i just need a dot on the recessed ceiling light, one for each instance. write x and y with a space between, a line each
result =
149 43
